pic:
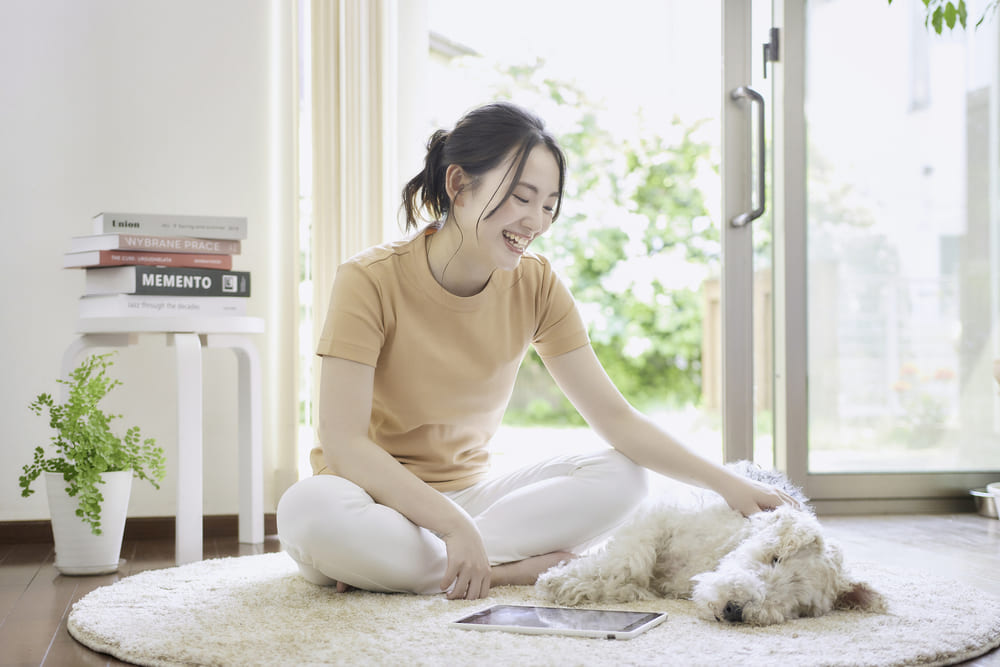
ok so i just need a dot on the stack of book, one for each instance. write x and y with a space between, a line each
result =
149 265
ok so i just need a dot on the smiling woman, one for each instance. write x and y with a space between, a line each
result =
420 347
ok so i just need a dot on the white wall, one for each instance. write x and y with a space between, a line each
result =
144 106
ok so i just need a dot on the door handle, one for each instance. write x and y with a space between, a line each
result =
755 98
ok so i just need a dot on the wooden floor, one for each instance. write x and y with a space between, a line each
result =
963 547
35 599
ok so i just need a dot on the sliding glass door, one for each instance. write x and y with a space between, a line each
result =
887 283
848 333
746 230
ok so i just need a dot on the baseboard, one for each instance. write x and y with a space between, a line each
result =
136 528
861 506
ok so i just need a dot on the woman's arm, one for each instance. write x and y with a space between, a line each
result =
582 378
345 405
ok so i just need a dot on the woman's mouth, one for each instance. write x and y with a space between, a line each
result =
516 242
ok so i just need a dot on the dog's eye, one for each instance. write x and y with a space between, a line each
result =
775 561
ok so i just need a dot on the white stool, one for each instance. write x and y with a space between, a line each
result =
188 335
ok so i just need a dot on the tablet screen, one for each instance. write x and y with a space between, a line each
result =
595 620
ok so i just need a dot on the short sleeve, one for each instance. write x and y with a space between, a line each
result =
560 327
354 328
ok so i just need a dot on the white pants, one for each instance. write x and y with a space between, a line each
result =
336 532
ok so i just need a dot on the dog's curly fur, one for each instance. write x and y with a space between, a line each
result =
767 569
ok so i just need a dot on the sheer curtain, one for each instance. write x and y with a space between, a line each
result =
368 73
354 101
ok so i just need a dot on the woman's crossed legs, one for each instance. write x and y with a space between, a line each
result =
336 533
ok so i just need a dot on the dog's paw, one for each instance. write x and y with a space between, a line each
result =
559 585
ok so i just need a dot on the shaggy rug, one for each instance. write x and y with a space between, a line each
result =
255 610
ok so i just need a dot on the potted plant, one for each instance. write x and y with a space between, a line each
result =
89 475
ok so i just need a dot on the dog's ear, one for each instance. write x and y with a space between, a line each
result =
860 596
794 530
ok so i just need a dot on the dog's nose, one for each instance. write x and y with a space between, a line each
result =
733 612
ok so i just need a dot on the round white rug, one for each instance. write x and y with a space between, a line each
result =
256 610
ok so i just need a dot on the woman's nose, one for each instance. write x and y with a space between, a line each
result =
535 219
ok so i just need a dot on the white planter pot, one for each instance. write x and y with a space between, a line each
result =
78 550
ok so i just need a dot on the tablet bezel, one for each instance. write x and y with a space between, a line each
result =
637 627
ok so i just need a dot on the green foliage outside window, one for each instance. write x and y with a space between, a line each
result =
941 13
634 242
635 218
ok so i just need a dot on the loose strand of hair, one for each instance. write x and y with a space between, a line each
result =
483 215
461 242
479 220
520 159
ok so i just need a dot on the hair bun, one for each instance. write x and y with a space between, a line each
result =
438 139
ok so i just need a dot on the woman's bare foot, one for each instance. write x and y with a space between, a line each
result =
525 572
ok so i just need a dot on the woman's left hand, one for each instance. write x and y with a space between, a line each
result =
748 497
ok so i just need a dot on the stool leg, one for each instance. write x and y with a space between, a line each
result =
188 540
251 467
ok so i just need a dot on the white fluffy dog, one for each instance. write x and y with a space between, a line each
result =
767 569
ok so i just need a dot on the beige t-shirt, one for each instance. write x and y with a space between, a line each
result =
444 365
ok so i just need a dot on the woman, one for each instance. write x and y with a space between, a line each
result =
420 348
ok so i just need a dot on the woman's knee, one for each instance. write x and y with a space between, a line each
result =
335 531
316 505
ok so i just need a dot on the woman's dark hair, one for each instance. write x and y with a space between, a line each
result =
480 141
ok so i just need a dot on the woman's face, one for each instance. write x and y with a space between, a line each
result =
526 215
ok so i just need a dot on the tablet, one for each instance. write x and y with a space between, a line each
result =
562 621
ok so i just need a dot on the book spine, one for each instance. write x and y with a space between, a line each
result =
116 258
141 305
175 244
167 281
147 224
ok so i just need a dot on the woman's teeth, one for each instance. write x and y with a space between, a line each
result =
518 242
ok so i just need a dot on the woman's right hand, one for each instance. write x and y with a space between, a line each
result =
468 571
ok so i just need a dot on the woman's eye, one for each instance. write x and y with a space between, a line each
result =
521 199
549 209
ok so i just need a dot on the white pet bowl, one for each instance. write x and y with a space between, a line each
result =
985 503
993 494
